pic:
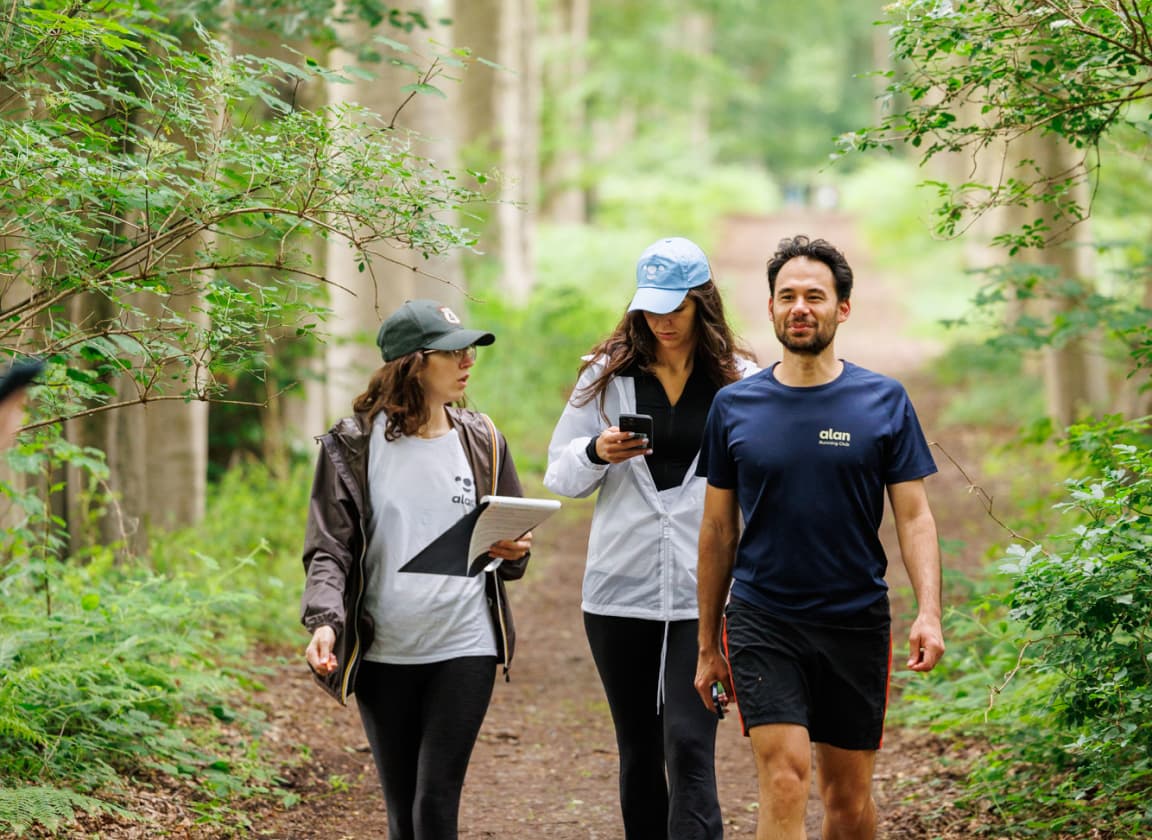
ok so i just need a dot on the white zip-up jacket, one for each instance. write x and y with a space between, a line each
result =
643 544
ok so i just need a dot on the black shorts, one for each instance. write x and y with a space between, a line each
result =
832 680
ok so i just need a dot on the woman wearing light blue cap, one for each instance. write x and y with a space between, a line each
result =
670 353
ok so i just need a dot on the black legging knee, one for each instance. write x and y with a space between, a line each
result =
667 757
422 722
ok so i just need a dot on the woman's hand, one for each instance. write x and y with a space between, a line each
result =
615 446
511 549
319 653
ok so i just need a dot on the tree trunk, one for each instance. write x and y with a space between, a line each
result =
1075 374
157 451
517 109
697 29
1135 396
499 127
352 354
564 194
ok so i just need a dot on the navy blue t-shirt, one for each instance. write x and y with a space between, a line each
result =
810 467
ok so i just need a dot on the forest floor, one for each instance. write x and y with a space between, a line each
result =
545 764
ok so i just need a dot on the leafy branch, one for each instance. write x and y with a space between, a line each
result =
976 73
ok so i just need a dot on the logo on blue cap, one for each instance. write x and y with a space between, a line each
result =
666 271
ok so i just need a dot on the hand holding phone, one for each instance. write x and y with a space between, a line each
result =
639 425
719 698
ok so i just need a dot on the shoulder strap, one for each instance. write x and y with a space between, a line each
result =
492 437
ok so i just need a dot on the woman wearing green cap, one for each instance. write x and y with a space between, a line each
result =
667 357
420 651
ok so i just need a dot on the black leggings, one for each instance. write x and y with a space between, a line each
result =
667 757
422 722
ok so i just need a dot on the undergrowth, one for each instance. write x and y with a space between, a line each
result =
110 669
1050 663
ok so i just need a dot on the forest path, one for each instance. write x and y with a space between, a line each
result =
545 765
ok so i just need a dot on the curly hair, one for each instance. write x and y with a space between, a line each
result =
632 342
813 249
395 388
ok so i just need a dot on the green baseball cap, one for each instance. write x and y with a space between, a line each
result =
425 325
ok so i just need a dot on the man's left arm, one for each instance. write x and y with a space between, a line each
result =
920 550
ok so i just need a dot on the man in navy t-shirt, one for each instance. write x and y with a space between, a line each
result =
804 452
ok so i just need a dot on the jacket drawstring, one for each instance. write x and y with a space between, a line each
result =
663 662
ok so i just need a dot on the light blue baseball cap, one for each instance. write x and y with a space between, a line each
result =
665 272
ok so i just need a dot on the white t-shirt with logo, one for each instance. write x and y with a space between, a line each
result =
418 488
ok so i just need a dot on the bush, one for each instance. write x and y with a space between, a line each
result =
121 672
1056 675
112 670
253 527
1089 597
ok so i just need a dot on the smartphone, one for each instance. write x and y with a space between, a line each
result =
717 689
640 425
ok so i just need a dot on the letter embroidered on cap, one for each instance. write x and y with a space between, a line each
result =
450 316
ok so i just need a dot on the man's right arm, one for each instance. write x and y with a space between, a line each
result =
719 532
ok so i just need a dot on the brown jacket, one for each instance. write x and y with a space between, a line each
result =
336 538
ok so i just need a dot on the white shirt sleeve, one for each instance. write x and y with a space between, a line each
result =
570 471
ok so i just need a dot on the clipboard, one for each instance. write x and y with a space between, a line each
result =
462 550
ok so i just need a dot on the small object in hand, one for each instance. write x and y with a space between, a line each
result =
717 691
639 426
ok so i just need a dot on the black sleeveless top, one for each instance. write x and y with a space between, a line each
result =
677 429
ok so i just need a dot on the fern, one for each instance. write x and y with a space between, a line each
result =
21 808
15 728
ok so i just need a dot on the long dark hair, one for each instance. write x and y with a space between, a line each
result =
632 342
395 388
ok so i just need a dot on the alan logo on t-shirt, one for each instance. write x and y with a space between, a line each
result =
831 437
467 494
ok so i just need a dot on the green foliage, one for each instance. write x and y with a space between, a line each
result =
122 672
24 807
1120 315
254 525
163 232
1090 595
975 73
1056 674
691 207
